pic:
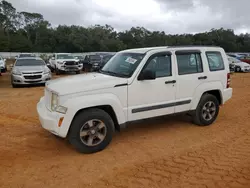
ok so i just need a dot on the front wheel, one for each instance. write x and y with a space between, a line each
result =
91 131
78 72
206 111
14 85
57 71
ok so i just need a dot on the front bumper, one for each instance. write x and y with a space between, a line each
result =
21 80
245 69
49 120
69 68
95 66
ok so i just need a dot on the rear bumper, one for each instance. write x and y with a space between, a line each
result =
227 94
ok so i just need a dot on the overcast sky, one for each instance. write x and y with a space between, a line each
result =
171 16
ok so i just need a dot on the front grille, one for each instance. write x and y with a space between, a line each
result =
24 73
71 63
33 77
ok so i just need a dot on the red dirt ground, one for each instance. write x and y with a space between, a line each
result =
169 152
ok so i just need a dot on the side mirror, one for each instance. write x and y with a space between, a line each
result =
147 75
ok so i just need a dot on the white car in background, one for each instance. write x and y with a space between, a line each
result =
239 65
3 66
65 62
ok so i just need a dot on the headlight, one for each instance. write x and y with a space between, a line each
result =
16 72
60 62
47 71
55 106
54 101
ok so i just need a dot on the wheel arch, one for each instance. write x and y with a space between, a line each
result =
107 108
213 88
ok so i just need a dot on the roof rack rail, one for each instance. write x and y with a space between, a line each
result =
176 46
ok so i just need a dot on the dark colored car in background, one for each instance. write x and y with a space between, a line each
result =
92 62
105 59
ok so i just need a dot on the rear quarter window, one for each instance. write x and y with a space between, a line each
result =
215 61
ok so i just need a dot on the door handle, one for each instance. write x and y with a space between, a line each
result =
170 82
202 77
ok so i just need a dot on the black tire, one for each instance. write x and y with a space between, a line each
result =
57 71
237 69
198 118
78 72
80 120
14 86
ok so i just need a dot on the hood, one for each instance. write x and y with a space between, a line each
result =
83 83
62 60
240 63
30 68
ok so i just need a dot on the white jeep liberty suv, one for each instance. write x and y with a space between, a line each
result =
136 84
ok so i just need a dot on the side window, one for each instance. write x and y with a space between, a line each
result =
161 64
189 63
215 61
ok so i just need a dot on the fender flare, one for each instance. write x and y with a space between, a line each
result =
74 105
203 88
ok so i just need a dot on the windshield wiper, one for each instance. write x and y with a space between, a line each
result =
113 74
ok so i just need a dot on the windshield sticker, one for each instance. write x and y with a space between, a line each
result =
130 60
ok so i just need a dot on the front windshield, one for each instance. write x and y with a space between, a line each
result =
29 62
95 57
233 60
123 64
65 56
26 55
78 57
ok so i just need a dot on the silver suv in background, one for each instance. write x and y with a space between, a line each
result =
29 70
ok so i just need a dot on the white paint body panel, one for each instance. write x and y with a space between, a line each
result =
95 89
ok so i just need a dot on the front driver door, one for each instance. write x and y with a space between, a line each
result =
150 98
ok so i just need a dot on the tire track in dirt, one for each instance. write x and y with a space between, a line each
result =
219 166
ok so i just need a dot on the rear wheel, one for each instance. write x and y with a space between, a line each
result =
91 131
238 69
206 111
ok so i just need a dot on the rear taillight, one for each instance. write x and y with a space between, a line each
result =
228 80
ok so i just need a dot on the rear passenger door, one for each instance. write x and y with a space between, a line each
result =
189 76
